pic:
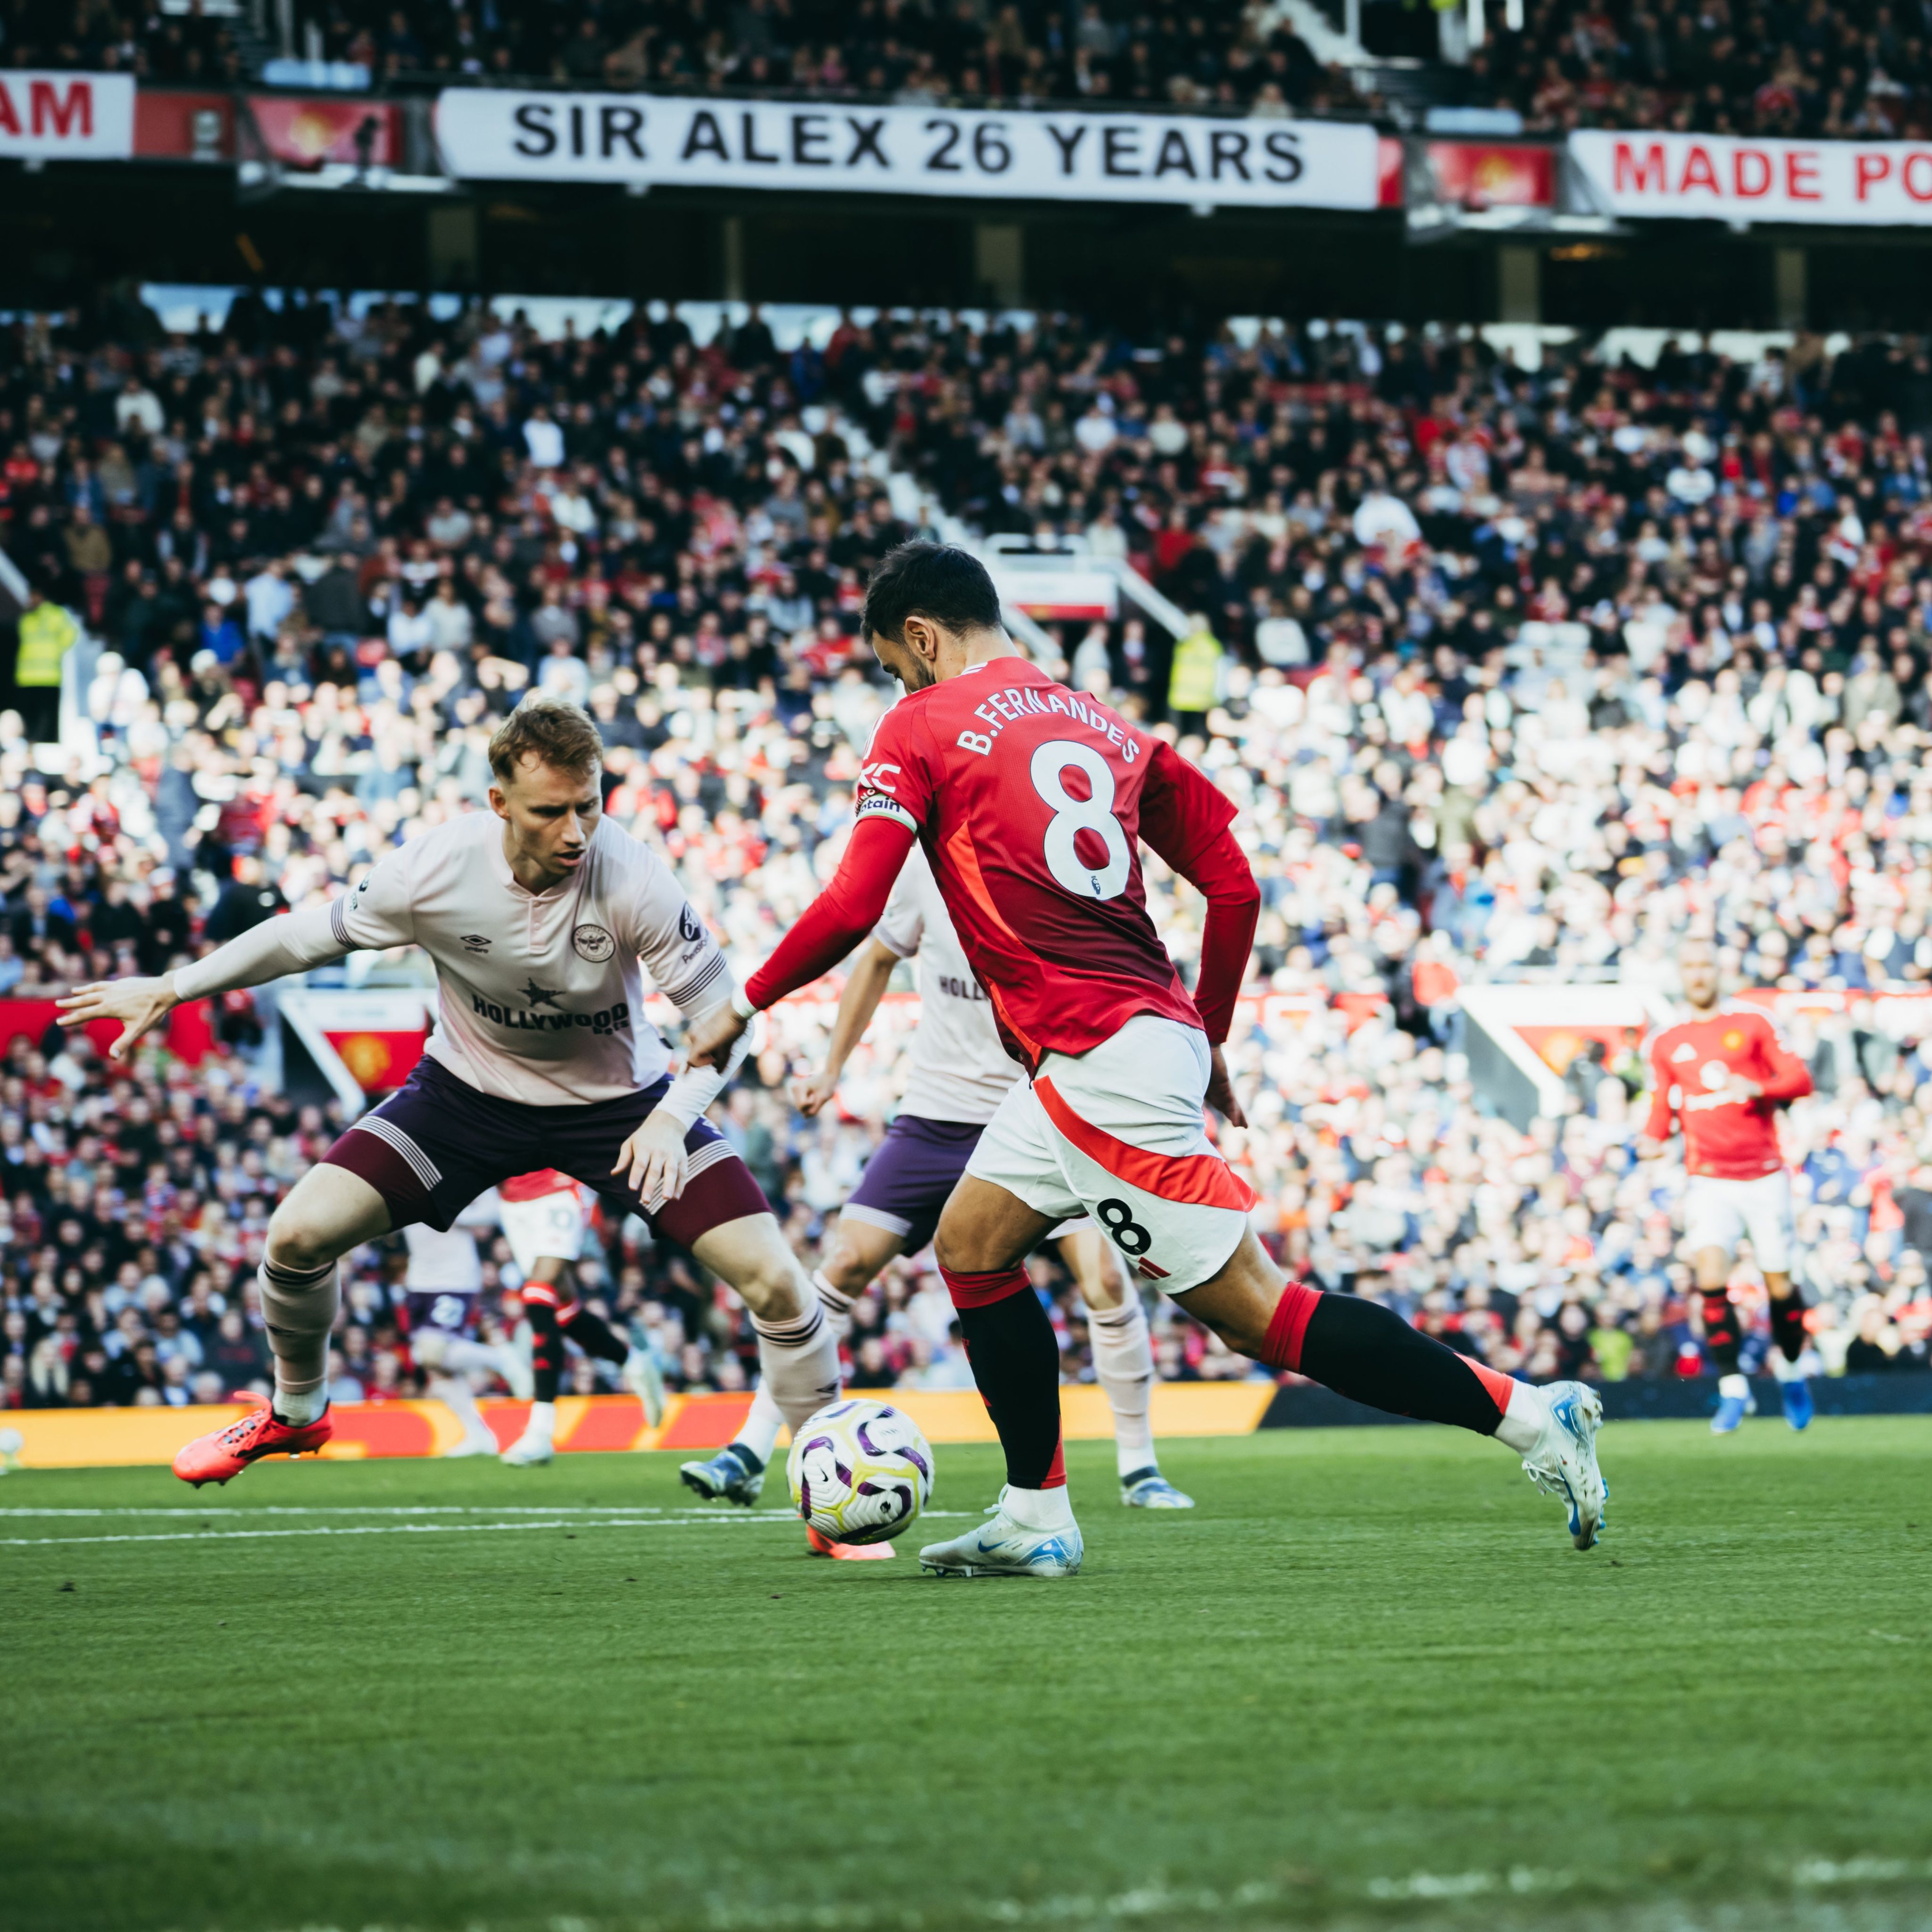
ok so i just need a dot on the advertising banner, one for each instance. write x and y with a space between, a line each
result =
1732 178
1492 174
505 135
66 117
306 130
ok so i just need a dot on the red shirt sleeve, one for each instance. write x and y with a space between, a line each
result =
897 779
1186 820
841 915
1658 1126
1782 1075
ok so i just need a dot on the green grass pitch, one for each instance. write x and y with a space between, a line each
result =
1367 1682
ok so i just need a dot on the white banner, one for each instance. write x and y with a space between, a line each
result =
493 134
67 117
1732 178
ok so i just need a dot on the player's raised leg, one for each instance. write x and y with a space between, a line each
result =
1117 1324
327 1213
446 1361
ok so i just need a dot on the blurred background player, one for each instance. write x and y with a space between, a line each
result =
442 1291
1721 1074
543 1217
960 1073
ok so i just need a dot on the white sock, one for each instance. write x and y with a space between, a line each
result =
298 1310
838 1305
1734 1385
1039 1509
1521 1427
456 1396
798 1360
1123 1367
461 1355
760 1433
541 1426
1783 1367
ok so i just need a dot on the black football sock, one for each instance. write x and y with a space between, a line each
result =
546 1341
1015 1361
591 1333
1787 1324
1723 1338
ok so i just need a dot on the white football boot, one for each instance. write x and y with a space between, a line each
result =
1001 1547
528 1450
1563 1463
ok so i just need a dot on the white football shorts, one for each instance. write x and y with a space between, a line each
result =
1719 1214
553 1225
1117 1134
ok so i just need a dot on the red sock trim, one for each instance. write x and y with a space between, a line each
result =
1282 1348
981 1291
1056 1474
1499 1385
569 1313
539 1294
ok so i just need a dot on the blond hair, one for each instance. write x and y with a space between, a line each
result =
553 732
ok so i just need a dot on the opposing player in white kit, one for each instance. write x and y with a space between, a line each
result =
543 1217
960 1074
442 1291
536 914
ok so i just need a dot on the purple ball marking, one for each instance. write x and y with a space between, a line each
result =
845 1474
918 1462
805 1497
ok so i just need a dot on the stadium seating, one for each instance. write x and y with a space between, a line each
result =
1521 670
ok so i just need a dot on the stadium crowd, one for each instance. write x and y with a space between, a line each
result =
1859 71
1223 54
1516 674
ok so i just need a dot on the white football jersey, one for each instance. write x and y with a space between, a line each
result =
960 1071
540 994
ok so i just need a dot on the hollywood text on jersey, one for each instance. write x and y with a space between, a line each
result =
610 1019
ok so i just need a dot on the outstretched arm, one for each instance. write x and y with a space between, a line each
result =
834 922
290 943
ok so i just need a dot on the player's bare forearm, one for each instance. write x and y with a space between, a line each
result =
140 1004
860 1000
710 1038
1221 1092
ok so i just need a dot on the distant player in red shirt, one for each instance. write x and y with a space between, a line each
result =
1030 801
1721 1073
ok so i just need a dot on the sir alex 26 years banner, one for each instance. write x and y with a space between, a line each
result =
493 134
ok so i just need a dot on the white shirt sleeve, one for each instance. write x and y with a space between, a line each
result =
290 943
378 913
902 925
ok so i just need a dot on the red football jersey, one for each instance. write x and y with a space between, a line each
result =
1690 1064
1029 799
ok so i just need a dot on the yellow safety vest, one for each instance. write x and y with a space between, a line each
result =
1194 683
47 634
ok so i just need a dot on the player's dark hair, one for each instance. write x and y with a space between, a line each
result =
940 581
552 732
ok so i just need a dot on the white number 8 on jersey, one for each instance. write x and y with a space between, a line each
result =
1072 816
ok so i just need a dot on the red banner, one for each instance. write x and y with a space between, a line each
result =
1477 174
306 130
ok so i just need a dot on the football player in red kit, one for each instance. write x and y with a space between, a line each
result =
1721 1074
1030 801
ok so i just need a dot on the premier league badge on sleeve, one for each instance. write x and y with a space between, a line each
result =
593 943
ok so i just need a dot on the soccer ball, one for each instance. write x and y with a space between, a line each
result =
860 1471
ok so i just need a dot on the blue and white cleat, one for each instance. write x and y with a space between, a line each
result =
733 1475
1796 1396
1001 1547
1731 1410
1148 1489
1563 1464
